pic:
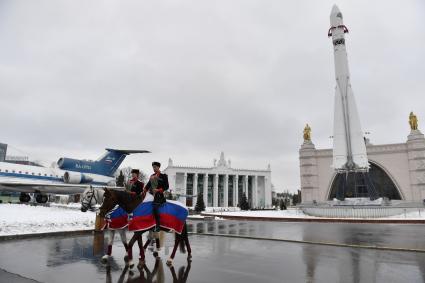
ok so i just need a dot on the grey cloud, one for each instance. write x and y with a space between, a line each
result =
189 79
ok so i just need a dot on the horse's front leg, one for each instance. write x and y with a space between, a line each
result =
109 248
130 250
123 235
142 250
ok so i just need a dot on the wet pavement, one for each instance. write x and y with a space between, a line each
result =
221 259
407 236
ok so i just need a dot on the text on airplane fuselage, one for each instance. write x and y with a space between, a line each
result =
84 166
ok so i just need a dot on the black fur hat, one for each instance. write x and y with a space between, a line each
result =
156 163
135 171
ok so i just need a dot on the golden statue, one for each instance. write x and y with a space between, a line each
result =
307 133
413 121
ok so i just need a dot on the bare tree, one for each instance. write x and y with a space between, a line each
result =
126 171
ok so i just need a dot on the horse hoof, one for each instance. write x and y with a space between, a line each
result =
189 258
126 258
155 254
141 264
129 264
104 259
169 262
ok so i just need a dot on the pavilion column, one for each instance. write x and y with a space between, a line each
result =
246 188
195 189
215 202
255 192
236 194
226 190
205 190
184 191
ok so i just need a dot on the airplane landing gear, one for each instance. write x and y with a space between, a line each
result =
41 198
24 197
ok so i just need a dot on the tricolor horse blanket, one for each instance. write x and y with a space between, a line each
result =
172 214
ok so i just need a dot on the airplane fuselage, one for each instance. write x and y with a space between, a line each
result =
10 173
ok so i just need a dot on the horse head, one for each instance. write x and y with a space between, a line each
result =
89 198
110 200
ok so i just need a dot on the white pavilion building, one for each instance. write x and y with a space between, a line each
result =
221 185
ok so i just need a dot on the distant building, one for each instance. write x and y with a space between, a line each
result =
397 171
221 185
3 150
23 160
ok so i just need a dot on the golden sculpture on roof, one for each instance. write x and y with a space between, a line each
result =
307 133
413 121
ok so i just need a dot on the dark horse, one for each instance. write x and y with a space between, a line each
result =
129 202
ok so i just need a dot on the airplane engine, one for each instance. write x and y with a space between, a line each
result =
76 178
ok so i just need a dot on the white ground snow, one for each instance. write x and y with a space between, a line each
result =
297 213
289 213
17 219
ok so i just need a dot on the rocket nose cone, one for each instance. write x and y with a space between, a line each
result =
336 16
335 9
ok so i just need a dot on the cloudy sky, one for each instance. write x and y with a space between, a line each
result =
189 79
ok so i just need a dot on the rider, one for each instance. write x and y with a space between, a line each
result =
136 186
158 183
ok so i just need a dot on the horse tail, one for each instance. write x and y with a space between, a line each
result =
183 236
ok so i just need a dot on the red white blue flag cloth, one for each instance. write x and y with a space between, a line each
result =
116 219
172 215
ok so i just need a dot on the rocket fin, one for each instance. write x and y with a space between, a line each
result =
339 138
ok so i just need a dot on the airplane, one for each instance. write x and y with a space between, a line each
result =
70 176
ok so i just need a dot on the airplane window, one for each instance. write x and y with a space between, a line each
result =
26 172
20 172
7 170
51 175
13 171
39 174
45 174
57 176
32 173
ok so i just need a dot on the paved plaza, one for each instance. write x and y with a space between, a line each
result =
224 259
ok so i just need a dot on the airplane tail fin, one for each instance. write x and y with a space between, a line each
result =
112 159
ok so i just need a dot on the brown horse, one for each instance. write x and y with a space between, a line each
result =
129 202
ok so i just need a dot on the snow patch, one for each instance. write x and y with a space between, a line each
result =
18 219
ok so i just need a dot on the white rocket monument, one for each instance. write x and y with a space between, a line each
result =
349 149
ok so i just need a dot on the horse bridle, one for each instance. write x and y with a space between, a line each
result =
87 204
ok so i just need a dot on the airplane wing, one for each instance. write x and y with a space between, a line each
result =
49 188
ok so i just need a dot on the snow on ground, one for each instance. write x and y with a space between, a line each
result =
419 214
17 219
289 213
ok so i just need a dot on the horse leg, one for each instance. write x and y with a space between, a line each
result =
142 251
157 244
176 244
124 242
186 241
109 249
145 246
130 250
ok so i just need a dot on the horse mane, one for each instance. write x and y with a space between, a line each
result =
126 199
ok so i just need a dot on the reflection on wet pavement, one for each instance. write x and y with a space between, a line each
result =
383 235
221 259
